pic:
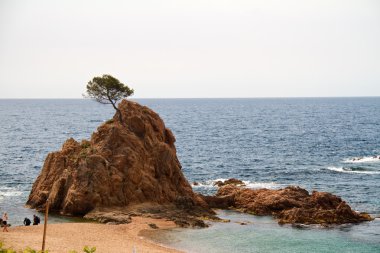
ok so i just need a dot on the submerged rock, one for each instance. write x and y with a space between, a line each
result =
288 205
121 165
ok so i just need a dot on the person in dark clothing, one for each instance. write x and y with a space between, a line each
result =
5 222
36 220
27 222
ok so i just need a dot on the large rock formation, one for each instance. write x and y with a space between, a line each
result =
121 165
131 168
288 205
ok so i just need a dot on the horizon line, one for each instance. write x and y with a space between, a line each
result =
64 98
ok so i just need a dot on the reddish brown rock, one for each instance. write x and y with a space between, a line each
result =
221 202
232 181
322 208
121 165
288 205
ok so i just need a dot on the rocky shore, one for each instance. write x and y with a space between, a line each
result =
130 169
289 205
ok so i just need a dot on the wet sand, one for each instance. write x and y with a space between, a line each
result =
63 237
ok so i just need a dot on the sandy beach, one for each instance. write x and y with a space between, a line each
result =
63 237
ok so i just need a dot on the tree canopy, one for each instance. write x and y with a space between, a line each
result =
108 90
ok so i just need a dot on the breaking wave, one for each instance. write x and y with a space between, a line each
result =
248 184
363 159
353 170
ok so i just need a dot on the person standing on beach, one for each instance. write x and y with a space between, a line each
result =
27 222
5 222
36 220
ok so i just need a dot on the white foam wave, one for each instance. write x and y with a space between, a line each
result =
257 185
9 192
249 184
208 183
364 159
348 170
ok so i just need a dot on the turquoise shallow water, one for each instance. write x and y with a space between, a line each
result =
263 234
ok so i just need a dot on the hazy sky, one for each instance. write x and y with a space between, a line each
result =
195 48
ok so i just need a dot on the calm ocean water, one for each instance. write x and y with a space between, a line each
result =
326 144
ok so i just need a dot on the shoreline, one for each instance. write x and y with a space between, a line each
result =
63 237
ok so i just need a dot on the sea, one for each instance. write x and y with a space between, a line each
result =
323 144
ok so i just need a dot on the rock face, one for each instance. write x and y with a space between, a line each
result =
121 165
288 205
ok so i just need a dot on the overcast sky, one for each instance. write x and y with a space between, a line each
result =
191 48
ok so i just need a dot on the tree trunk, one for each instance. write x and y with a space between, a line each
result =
117 110
119 113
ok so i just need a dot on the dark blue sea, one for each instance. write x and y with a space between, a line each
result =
324 144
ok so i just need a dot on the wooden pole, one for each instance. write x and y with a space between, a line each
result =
45 224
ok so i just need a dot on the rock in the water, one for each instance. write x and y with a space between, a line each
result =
232 181
288 205
322 208
221 202
121 165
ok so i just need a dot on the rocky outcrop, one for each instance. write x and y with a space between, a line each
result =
123 164
232 181
288 205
